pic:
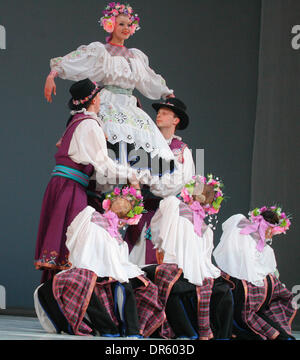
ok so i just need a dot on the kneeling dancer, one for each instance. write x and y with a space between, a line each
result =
102 293
263 306
198 301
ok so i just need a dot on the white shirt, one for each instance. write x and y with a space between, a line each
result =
88 146
172 184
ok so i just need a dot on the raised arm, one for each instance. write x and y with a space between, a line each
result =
88 61
150 84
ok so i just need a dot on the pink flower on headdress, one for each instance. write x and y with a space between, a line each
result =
115 12
117 191
106 204
133 29
129 9
109 24
122 7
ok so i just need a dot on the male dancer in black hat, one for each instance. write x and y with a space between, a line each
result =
171 116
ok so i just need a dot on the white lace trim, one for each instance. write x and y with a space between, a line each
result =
117 133
88 113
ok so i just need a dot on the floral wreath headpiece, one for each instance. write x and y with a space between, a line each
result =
129 193
112 10
189 190
87 98
284 220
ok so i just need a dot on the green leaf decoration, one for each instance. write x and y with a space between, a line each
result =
256 212
283 223
130 214
138 210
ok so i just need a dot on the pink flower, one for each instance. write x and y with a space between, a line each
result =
134 220
185 194
202 179
117 191
213 182
212 211
133 29
106 204
125 191
109 24
115 12
132 191
277 230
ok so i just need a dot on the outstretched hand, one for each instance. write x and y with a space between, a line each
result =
50 87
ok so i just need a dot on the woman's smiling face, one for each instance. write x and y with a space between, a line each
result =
122 29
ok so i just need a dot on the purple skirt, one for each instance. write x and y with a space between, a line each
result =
64 199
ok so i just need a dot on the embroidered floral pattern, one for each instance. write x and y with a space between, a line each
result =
121 117
74 54
111 115
50 259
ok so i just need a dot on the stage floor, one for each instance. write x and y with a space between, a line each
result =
29 328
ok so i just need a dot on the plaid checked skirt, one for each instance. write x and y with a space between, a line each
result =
74 289
166 275
266 311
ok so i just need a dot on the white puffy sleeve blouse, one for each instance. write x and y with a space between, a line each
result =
93 61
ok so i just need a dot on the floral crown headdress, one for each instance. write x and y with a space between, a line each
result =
193 188
129 193
284 220
112 10
260 225
87 98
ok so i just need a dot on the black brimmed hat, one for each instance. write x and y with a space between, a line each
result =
178 107
82 92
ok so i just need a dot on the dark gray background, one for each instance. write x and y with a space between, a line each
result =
208 52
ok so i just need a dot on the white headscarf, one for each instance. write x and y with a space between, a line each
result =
237 254
176 236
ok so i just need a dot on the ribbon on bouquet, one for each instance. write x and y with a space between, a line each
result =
198 217
113 221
